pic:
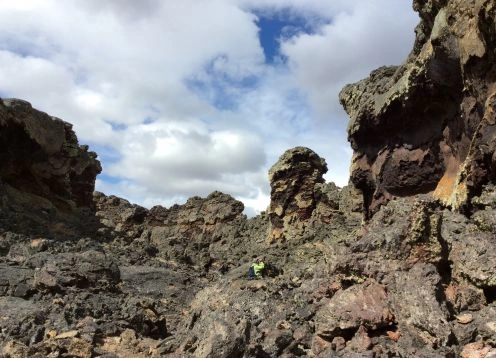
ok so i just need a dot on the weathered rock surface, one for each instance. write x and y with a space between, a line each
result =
46 178
172 282
206 232
428 126
301 201
293 179
417 279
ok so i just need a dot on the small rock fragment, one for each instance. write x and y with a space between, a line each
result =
464 318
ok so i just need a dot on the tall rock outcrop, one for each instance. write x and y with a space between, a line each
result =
300 200
429 125
46 178
292 180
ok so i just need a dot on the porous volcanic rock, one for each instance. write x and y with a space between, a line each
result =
204 232
119 216
46 178
429 125
292 181
417 279
173 281
300 200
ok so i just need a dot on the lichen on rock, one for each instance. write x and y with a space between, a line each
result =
427 126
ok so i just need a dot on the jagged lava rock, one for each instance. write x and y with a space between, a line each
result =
46 178
415 280
119 215
292 180
300 199
203 232
428 126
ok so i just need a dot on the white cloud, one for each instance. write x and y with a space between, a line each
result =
176 157
217 117
369 35
308 8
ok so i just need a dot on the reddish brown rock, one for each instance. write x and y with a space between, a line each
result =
301 201
321 346
360 305
477 350
394 336
292 180
428 126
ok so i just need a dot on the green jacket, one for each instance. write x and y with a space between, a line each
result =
258 268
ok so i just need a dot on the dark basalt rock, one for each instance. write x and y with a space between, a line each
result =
428 125
46 179
416 279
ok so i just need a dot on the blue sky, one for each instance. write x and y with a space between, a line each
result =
183 98
277 25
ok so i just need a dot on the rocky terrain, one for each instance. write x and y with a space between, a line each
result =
400 263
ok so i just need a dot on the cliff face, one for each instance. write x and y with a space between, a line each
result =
46 178
428 126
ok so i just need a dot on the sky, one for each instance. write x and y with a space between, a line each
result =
183 97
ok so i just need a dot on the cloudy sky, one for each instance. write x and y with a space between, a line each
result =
184 97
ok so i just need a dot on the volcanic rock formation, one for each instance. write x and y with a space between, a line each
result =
416 279
428 126
45 175
301 201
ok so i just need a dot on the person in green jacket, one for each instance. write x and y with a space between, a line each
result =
256 269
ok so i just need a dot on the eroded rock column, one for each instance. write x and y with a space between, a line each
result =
292 199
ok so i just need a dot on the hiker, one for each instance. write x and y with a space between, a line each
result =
256 269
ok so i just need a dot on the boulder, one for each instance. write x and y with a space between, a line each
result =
360 307
21 318
16 281
86 270
423 320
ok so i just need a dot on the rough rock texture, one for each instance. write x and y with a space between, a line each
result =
203 232
417 279
397 287
300 200
46 178
428 126
292 180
